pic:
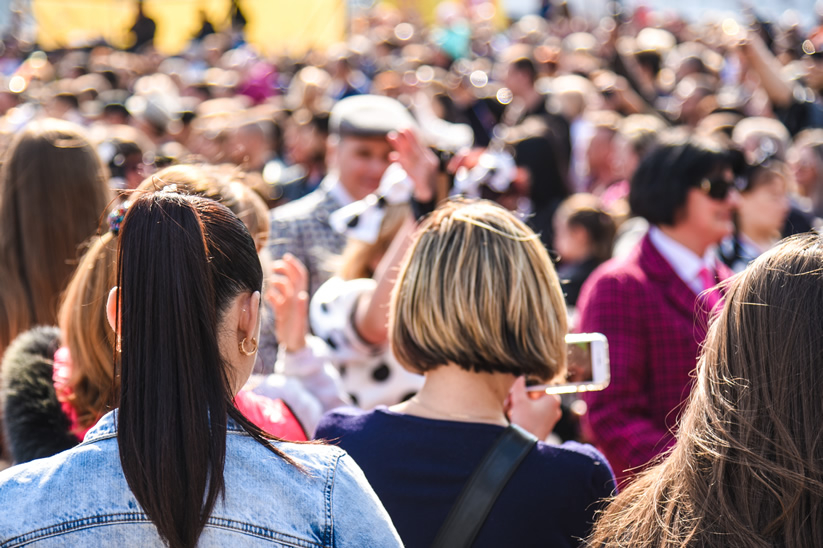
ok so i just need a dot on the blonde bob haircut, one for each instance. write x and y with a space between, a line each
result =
477 289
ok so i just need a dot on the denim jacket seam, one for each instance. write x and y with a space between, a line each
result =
80 524
329 492
260 532
75 525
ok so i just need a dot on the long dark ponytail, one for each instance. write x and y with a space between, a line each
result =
181 261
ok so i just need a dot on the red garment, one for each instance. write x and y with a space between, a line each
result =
654 324
273 416
61 377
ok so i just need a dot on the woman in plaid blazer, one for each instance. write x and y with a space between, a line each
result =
653 305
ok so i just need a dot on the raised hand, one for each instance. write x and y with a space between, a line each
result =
419 162
288 296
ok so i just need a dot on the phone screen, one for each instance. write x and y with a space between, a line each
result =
587 366
579 364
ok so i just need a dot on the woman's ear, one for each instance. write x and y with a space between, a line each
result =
111 308
250 316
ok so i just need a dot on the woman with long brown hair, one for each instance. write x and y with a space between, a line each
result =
747 467
53 197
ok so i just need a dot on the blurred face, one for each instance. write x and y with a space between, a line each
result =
764 208
804 167
571 242
600 154
708 219
303 143
361 162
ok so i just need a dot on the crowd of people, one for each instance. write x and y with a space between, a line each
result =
299 299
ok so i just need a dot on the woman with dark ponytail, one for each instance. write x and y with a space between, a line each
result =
177 463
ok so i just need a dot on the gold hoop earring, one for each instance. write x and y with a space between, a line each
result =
242 346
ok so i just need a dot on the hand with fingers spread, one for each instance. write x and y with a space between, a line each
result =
288 296
419 162
537 412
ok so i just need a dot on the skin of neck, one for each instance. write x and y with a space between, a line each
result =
763 237
452 393
686 237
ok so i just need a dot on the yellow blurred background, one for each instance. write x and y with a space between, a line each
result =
273 25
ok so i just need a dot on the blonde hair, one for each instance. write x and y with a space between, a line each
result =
358 258
478 289
86 331
53 197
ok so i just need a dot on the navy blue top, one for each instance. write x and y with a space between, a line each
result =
418 467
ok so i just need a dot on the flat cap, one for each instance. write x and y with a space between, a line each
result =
369 116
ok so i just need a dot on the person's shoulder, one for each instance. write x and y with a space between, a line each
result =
300 209
581 459
345 421
619 275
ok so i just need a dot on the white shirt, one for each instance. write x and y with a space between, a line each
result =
685 262
331 183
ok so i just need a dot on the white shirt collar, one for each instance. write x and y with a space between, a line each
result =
332 185
685 262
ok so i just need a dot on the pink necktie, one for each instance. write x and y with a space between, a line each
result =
711 296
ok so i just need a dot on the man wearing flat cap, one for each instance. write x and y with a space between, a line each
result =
366 134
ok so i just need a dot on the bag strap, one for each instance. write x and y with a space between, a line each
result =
483 487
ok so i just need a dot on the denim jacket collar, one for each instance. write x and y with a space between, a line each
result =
106 427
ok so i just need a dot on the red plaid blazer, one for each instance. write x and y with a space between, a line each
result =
655 325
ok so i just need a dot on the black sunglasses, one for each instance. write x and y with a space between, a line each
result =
717 188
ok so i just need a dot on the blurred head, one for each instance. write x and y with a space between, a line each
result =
806 161
358 148
688 184
53 197
583 229
746 467
478 290
764 201
305 138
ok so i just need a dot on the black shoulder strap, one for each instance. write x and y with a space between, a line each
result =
483 487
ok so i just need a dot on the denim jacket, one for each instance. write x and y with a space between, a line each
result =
80 498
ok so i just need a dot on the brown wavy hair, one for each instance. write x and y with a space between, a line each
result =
747 468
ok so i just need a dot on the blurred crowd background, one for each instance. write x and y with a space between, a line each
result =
545 107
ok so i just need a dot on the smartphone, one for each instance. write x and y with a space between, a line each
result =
588 366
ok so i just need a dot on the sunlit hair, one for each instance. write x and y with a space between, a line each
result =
222 183
86 331
747 468
181 262
478 289
358 259
53 197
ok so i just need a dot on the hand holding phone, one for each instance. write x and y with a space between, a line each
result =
587 369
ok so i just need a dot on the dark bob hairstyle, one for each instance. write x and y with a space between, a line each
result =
662 181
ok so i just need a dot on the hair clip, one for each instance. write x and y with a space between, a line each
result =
116 217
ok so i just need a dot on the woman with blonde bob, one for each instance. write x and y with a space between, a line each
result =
477 305
747 467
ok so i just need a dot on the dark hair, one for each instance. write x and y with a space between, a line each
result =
664 177
585 211
181 261
525 64
747 468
